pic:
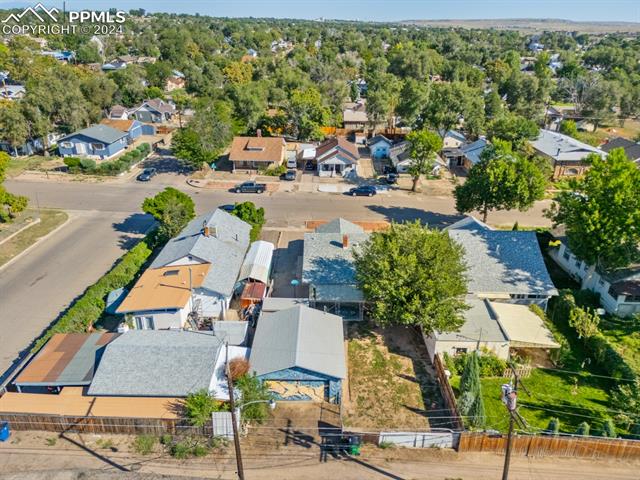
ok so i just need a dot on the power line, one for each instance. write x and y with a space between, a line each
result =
587 374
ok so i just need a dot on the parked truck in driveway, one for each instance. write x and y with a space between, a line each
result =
250 187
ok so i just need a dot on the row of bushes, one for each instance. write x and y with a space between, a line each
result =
113 167
90 306
605 357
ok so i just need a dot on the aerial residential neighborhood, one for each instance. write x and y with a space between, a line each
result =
242 240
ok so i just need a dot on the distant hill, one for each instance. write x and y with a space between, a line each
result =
531 25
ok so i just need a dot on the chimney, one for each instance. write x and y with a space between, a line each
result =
259 132
206 231
345 241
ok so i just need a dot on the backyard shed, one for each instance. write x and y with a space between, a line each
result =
299 354
253 292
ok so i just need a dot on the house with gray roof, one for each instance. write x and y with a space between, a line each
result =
631 148
157 363
566 154
329 271
204 259
99 142
503 265
299 354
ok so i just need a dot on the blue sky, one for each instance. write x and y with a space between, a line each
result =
379 10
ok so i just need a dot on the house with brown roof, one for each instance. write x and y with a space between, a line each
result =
162 297
336 157
174 83
133 128
254 153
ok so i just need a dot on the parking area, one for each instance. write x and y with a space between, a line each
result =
287 265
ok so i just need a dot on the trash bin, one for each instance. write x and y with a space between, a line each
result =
4 431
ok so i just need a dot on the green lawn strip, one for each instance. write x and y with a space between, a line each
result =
624 336
49 221
19 165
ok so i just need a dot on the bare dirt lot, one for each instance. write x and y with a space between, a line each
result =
391 381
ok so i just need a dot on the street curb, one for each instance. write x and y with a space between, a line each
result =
35 222
37 242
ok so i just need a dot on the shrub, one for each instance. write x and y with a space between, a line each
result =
450 364
200 405
553 428
385 445
609 429
238 367
143 444
180 450
491 365
248 212
72 163
252 389
274 171
87 164
583 429
166 439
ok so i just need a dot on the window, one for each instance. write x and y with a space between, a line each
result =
566 255
460 351
66 145
632 299
97 146
518 295
578 263
171 273
601 282
144 322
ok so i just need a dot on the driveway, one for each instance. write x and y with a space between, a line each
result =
44 282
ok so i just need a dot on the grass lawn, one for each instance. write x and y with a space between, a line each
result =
571 398
624 335
19 165
49 220
390 382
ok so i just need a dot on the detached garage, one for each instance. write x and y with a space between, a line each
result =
299 354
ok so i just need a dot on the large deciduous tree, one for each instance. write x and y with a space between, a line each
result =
424 147
413 275
501 180
172 209
10 204
449 103
601 212
513 128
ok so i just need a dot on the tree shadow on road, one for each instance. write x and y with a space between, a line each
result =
136 223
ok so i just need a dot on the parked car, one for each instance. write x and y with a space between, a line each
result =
227 208
289 176
391 178
147 174
309 165
292 163
250 187
363 191
388 169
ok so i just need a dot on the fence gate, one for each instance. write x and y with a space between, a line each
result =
419 439
222 425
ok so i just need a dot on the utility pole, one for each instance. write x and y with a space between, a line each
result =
236 435
509 398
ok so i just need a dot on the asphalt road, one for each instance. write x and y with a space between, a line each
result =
106 219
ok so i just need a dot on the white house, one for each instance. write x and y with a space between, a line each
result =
336 157
494 326
619 290
452 139
12 92
379 146
400 155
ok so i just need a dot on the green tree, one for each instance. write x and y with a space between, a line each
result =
172 209
501 180
585 322
470 378
413 96
254 216
307 114
425 145
413 275
472 403
553 428
14 128
10 204
568 127
583 429
513 128
601 212
199 406
609 429
252 389
451 102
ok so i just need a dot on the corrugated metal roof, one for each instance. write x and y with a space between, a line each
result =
66 359
480 324
257 263
299 337
522 327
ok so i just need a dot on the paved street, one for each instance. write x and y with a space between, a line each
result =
106 219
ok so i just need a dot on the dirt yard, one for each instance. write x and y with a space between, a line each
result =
391 381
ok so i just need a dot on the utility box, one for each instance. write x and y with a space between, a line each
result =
5 432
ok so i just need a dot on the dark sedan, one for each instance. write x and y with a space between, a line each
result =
147 174
363 191
289 176
227 208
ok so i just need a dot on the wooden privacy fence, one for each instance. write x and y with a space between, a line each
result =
115 425
551 445
447 394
